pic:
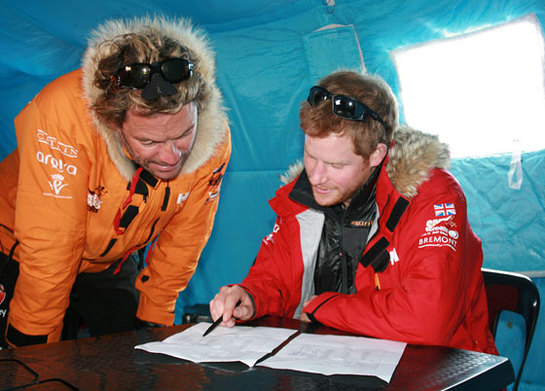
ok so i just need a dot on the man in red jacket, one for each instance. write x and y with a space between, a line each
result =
372 236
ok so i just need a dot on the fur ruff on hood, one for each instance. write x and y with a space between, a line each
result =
211 128
411 159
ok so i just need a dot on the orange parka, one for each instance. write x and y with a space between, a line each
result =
76 203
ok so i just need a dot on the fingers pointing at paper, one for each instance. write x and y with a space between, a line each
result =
233 303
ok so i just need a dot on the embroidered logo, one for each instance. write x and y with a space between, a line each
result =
393 256
65 149
93 198
367 223
446 209
56 184
214 183
182 197
56 164
212 196
270 237
216 177
431 224
2 294
439 233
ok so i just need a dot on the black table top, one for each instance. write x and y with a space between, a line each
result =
111 363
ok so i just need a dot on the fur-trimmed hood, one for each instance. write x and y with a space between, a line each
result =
412 157
211 128
410 160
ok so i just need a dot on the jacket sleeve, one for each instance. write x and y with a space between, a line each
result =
174 258
274 280
50 220
426 300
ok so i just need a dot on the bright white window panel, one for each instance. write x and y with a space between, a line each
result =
483 92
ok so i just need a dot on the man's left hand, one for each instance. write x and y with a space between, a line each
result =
304 317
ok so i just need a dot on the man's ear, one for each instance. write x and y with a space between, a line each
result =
378 155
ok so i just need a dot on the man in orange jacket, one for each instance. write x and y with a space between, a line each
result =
126 151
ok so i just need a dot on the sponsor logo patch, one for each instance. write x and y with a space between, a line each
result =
57 185
93 198
65 149
2 294
270 237
361 223
214 183
182 197
57 164
440 233
394 258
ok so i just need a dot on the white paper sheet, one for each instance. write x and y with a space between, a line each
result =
338 355
240 343
316 353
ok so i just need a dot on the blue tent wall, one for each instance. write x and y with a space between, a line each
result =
268 55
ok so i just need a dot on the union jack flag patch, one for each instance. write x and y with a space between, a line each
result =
442 210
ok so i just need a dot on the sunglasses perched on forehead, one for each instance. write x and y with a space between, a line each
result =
342 105
138 75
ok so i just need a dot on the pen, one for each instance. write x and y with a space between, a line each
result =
216 323
377 282
213 326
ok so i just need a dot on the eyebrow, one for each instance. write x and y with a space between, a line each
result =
342 162
188 129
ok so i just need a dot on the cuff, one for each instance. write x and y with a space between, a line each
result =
253 302
312 308
249 292
16 338
148 311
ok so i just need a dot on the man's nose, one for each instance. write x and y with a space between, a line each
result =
170 153
317 173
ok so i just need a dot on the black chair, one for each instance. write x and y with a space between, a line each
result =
512 292
196 313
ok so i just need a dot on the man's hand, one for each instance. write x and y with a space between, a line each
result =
304 317
225 304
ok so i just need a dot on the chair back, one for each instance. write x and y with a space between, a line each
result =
512 292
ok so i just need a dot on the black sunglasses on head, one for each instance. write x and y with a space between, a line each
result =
138 75
342 105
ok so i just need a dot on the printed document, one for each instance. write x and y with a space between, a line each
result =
316 353
339 355
239 343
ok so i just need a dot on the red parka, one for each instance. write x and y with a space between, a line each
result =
432 291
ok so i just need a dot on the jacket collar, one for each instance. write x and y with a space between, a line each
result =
410 160
302 193
409 163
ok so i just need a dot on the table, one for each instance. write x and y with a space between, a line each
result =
111 363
